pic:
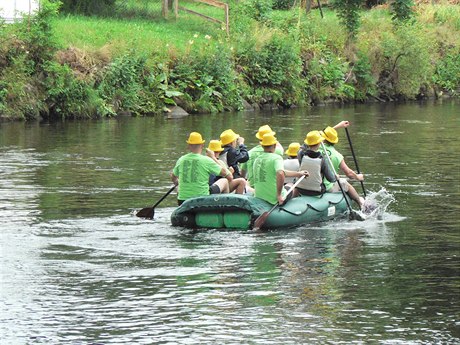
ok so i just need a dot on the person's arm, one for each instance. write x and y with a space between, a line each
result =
238 155
174 179
227 174
350 172
279 186
290 173
342 124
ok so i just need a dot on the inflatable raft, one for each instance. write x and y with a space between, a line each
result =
239 212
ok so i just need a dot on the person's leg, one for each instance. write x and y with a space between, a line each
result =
238 185
353 194
223 185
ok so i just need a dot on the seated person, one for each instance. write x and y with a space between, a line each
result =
236 184
193 169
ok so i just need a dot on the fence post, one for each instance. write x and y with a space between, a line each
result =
164 9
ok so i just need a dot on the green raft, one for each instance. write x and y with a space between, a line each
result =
235 211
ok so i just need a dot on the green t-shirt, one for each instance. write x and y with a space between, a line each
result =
264 170
336 158
193 171
248 165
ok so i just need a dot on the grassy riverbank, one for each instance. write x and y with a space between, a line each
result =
60 66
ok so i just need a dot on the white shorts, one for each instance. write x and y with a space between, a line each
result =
335 187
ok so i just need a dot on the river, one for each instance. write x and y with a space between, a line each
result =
78 268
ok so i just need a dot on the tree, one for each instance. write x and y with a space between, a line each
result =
402 10
348 12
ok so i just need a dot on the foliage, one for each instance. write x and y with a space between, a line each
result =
271 69
348 12
402 10
282 4
66 96
76 66
364 81
88 7
37 33
405 62
447 74
121 84
20 98
207 78
325 72
258 10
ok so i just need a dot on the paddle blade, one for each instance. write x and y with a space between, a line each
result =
146 212
355 215
260 221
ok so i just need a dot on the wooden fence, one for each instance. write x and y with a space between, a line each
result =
213 3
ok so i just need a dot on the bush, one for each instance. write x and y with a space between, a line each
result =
20 98
348 12
406 62
447 74
68 97
271 69
206 76
121 84
282 4
325 73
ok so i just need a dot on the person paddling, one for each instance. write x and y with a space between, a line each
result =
191 172
331 138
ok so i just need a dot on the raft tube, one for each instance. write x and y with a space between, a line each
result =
239 212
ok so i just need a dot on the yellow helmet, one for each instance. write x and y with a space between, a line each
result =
195 138
264 130
313 138
293 149
228 136
268 139
330 134
215 146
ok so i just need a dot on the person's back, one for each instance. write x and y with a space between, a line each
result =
192 171
266 167
312 161
253 153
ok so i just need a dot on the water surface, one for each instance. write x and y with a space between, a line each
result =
78 268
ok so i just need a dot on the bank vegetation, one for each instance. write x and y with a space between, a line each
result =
58 64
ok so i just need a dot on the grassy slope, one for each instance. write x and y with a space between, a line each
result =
145 35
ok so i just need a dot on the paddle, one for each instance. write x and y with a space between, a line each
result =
353 213
148 212
260 221
354 157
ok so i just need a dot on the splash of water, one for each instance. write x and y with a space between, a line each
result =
376 203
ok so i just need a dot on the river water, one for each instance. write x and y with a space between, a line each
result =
78 268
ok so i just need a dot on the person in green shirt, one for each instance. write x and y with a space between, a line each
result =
269 172
192 172
247 167
331 138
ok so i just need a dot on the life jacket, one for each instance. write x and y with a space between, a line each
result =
292 165
314 180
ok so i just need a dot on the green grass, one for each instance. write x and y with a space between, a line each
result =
147 36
